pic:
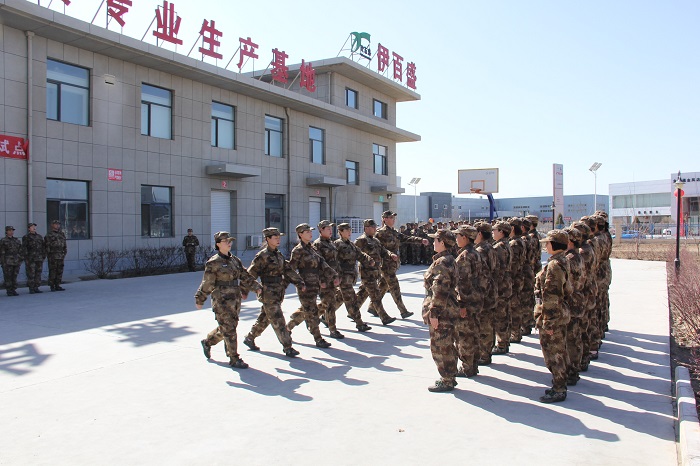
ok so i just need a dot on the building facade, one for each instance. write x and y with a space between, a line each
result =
130 144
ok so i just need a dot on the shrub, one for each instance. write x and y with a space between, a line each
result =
684 298
103 262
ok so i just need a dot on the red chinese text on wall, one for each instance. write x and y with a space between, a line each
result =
13 147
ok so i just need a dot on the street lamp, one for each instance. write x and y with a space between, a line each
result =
594 168
414 182
679 195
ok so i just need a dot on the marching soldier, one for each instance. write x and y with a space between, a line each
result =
190 243
34 255
330 296
227 281
56 250
348 256
274 272
11 257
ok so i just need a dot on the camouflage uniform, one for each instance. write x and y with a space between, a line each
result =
470 296
275 273
315 272
34 255
504 279
392 240
11 257
370 275
56 250
226 280
485 317
330 296
190 243
348 255
440 281
518 259
590 291
552 287
532 241
576 304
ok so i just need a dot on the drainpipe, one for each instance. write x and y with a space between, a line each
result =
30 126
289 181
330 87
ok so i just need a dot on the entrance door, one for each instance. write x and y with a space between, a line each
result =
314 211
378 209
220 211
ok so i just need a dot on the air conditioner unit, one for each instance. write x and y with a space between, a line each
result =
254 241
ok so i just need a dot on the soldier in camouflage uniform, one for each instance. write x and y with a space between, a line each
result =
227 281
597 241
535 265
488 310
56 250
590 291
11 257
576 304
34 255
190 243
604 229
504 278
348 255
518 261
552 288
275 273
470 298
330 296
392 240
317 275
370 274
440 310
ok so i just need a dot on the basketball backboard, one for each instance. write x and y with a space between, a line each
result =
478 180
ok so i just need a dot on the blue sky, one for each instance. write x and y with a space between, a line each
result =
517 85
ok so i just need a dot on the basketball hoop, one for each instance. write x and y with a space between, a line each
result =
475 190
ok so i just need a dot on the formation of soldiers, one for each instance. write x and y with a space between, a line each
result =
33 249
485 289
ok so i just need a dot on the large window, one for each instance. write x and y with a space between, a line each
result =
273 136
67 201
380 162
223 126
156 111
156 211
641 200
380 109
351 98
352 172
274 211
316 145
67 93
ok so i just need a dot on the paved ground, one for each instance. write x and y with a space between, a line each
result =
112 372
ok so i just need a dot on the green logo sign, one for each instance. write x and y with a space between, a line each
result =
357 46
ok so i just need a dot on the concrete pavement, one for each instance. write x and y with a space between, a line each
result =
112 372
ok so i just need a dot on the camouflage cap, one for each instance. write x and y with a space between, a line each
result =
557 236
515 222
31 224
344 226
388 213
272 232
189 229
302 227
504 227
526 222
532 218
602 213
55 221
574 234
9 227
599 219
324 224
369 223
467 231
220 236
583 228
446 236
483 227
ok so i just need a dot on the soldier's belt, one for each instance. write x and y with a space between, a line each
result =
270 280
229 283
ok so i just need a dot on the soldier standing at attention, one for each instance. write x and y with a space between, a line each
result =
501 317
552 287
392 240
440 310
56 250
470 298
275 273
34 255
316 274
518 260
227 281
590 291
11 256
370 274
488 256
576 303
348 255
190 243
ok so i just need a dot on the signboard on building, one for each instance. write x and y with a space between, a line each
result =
13 147
114 174
558 190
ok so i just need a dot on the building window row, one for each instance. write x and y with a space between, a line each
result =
67 93
380 159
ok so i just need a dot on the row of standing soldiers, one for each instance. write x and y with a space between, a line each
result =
479 292
33 250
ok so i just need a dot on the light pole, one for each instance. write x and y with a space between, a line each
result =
594 169
414 182
679 195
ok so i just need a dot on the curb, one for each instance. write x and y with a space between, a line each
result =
687 424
